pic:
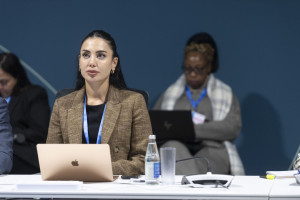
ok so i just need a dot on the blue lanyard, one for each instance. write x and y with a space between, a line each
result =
189 95
8 99
85 124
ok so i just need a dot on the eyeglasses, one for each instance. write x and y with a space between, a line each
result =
196 70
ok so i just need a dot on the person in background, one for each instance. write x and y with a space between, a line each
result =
6 139
29 113
102 109
297 163
215 111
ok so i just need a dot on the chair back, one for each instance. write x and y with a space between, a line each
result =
143 92
64 92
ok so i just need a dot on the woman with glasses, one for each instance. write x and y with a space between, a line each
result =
215 111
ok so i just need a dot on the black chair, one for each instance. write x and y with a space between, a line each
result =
66 91
143 92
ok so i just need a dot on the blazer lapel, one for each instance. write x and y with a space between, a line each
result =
111 114
12 105
74 118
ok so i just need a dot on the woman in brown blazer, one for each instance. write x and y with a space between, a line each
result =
101 109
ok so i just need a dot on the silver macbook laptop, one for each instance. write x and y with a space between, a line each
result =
80 162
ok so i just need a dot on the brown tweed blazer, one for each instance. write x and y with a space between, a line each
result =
126 127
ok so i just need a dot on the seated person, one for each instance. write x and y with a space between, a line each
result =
216 110
102 110
29 113
6 139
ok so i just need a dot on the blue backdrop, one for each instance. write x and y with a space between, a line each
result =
258 43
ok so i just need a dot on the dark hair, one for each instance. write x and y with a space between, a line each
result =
10 64
206 38
116 79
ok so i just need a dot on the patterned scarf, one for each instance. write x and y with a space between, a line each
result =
297 163
218 92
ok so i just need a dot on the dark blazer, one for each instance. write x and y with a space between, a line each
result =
29 117
6 139
126 127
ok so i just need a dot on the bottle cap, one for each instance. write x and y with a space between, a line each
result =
152 137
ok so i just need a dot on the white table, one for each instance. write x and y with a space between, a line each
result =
285 189
242 188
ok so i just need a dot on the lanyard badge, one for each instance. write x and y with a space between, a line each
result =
85 124
189 95
8 99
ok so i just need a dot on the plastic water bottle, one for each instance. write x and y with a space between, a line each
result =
152 164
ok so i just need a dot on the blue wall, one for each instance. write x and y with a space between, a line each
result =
258 43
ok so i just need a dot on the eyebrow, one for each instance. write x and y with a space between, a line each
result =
100 51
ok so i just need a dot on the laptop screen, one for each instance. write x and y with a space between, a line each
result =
172 125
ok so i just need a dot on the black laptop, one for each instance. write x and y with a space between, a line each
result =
172 125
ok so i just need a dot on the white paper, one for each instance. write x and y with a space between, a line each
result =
283 174
13 179
49 185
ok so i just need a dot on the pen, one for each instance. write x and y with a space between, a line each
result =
135 180
268 176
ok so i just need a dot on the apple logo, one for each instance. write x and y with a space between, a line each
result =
75 163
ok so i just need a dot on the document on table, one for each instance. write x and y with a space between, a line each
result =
13 179
283 174
49 185
35 182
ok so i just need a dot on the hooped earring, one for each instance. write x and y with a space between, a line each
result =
112 72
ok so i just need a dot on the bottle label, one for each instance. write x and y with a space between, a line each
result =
152 170
156 170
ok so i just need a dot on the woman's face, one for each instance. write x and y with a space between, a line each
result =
96 61
7 84
196 69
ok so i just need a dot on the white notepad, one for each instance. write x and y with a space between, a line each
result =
283 174
49 185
